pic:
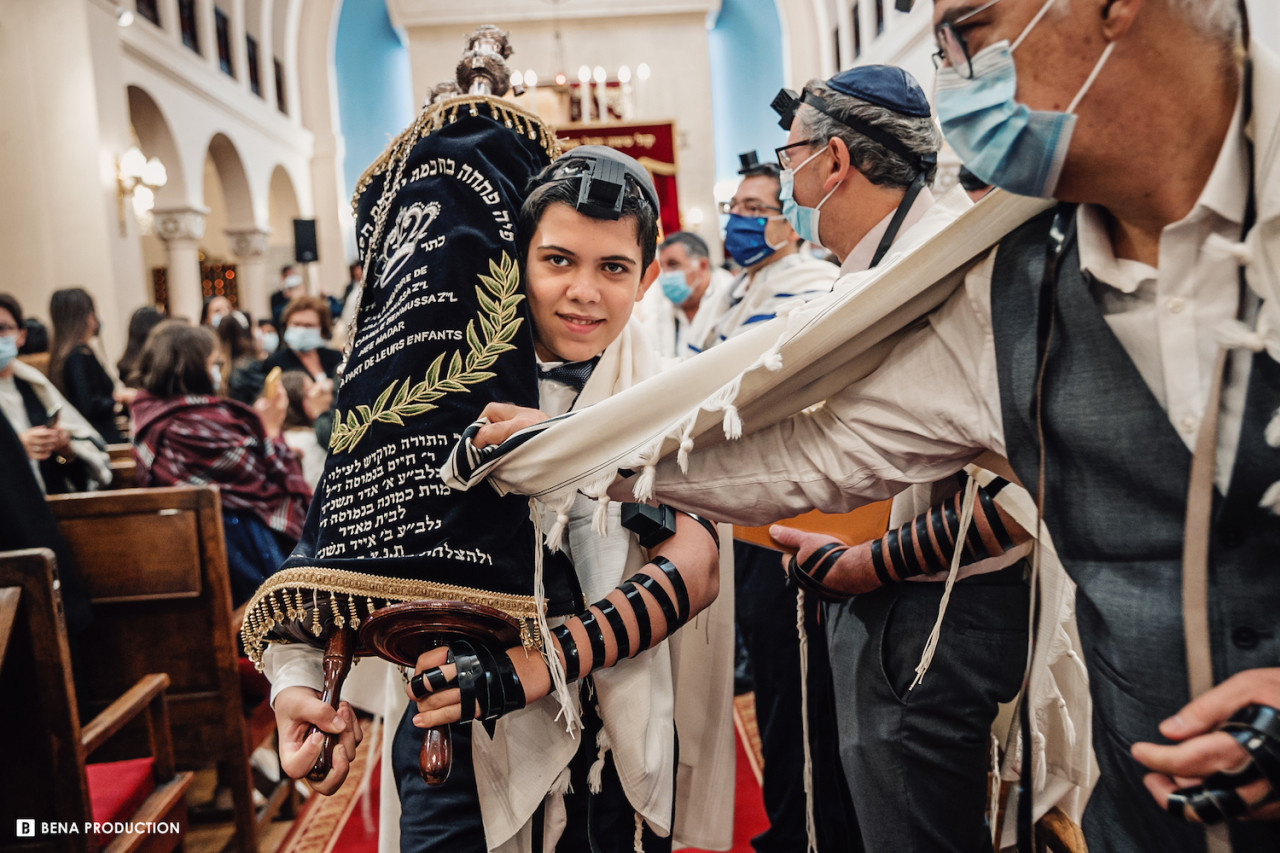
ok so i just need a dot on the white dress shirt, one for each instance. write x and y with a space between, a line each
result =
934 405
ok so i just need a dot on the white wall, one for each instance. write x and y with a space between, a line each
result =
670 36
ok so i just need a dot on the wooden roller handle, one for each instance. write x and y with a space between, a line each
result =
337 663
435 759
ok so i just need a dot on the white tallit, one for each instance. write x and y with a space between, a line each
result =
759 377
528 757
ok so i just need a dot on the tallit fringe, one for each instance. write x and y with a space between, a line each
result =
559 684
555 536
599 492
966 517
1223 248
993 787
732 422
686 442
1272 434
648 459
1271 499
561 785
723 400
810 824
637 844
1236 335
595 776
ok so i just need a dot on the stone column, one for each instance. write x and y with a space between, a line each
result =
181 230
250 248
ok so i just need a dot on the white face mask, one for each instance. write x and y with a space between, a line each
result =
804 220
215 375
1000 140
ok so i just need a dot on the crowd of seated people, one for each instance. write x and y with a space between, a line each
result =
190 399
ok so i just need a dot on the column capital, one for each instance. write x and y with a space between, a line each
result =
249 242
184 223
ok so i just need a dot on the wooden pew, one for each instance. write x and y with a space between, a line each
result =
46 779
153 562
124 470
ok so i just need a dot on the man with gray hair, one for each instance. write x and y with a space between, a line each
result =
862 148
862 151
1123 350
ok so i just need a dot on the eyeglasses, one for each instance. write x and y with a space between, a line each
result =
784 158
749 207
953 48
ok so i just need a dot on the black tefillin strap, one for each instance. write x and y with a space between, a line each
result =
811 574
675 613
900 545
487 681
1257 729
595 636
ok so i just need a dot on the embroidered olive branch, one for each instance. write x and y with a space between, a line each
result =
499 299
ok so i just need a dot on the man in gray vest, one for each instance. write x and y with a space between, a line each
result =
1143 114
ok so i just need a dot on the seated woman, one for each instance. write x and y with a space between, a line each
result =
307 329
308 400
184 434
73 365
66 454
141 322
242 371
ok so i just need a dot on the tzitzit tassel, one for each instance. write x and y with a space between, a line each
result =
637 844
555 536
993 789
732 422
1271 499
809 824
595 776
600 518
1224 247
966 517
559 683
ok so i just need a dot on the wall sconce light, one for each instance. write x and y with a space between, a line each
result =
137 179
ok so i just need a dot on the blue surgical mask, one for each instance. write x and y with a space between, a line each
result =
674 286
8 350
270 342
803 219
1000 140
303 338
744 239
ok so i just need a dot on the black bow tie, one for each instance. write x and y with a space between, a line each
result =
571 373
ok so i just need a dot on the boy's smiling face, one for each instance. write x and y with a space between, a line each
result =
584 276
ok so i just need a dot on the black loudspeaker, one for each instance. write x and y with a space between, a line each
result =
304 241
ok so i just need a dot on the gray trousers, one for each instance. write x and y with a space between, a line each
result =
916 760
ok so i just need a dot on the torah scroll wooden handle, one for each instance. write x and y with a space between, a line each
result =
401 632
337 663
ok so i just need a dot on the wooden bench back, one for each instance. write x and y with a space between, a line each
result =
43 774
124 471
153 563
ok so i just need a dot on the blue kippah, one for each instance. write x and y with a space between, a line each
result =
883 85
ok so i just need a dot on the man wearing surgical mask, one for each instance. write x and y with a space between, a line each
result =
759 238
674 311
775 273
1124 349
857 163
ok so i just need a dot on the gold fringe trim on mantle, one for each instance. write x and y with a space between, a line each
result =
294 595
